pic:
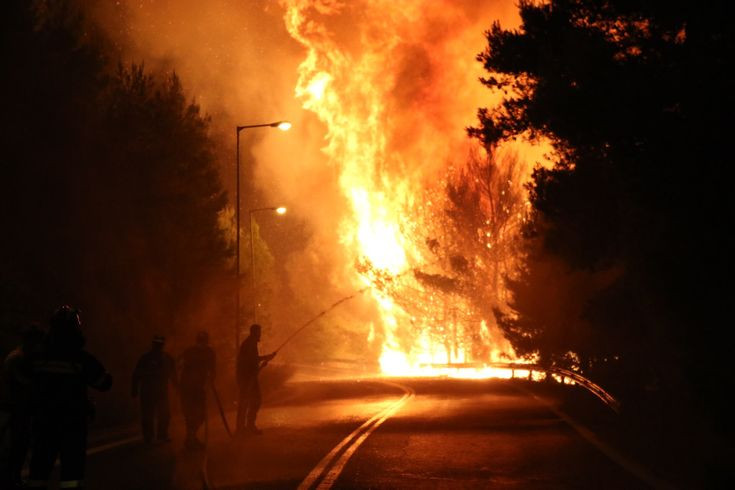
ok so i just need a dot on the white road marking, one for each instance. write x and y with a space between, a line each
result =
631 467
319 468
354 440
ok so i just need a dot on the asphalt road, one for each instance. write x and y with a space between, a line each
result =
409 433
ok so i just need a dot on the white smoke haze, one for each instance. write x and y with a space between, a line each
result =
400 88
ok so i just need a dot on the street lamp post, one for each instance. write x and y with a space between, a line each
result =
283 126
279 210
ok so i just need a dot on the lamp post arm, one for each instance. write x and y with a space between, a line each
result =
267 125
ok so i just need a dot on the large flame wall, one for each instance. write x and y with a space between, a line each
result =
395 84
380 93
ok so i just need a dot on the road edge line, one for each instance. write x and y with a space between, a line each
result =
613 454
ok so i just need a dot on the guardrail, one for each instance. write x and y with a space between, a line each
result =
528 371
590 386
514 368
585 383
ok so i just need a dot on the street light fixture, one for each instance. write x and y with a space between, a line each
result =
279 210
283 126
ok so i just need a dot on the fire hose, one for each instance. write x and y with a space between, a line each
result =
289 338
217 399
221 410
318 316
334 305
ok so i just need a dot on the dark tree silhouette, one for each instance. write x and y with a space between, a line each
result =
637 100
111 194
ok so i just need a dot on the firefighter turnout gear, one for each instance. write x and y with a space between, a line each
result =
249 364
15 419
153 372
197 369
15 408
60 375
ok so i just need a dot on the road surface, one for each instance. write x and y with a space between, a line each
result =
407 433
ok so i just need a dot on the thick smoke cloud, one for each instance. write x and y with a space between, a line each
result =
240 62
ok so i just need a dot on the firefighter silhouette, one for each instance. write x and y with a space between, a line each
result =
153 373
15 408
249 364
60 373
197 369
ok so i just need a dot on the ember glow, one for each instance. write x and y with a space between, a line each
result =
396 96
380 93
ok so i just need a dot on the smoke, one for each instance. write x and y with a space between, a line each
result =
403 76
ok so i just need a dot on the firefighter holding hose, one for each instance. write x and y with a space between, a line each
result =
249 364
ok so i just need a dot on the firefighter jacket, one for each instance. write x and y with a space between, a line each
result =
60 379
14 382
197 366
155 369
248 360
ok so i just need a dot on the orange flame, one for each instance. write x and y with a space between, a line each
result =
395 84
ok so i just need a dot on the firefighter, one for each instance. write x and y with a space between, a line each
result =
197 369
60 374
249 364
154 371
15 406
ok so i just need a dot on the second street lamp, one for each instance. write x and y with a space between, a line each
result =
278 210
283 126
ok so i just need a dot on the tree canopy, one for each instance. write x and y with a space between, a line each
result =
637 100
112 193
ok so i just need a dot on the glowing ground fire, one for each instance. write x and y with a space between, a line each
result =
395 98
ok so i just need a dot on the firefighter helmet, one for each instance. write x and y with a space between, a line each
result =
65 328
66 317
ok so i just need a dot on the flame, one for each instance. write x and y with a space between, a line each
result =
395 84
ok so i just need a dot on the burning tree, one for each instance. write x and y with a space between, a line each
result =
486 209
469 227
395 98
475 243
